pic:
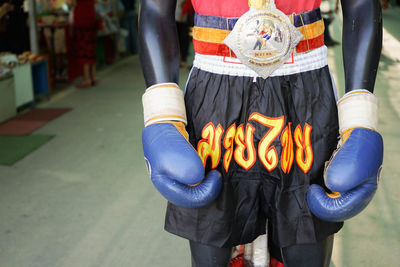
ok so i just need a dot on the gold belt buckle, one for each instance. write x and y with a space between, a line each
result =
263 38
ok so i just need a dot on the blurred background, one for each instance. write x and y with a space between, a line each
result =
74 190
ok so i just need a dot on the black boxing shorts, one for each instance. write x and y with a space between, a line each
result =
270 139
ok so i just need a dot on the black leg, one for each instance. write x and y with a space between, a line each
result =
309 255
208 256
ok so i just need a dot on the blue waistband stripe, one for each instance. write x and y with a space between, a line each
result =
223 23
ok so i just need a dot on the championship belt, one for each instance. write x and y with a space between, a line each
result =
263 38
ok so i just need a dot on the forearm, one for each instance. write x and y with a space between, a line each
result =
3 11
72 3
158 41
362 42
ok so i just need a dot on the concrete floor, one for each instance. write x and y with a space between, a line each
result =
84 199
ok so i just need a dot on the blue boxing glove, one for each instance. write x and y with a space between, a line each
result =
175 168
353 171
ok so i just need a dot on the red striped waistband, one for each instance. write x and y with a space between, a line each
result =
210 31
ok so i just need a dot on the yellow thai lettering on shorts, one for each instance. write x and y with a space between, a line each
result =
228 144
210 145
245 145
287 155
304 152
266 152
239 144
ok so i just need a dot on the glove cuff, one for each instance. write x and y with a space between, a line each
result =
358 109
163 102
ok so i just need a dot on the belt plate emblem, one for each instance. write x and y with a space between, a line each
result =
263 38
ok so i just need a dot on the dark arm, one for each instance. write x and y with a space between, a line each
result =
362 42
158 41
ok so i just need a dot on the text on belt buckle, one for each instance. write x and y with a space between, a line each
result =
263 38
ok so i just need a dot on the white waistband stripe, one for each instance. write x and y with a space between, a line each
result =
312 60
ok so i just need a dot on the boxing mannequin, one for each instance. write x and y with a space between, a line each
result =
362 39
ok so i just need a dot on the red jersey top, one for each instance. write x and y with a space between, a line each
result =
235 8
85 14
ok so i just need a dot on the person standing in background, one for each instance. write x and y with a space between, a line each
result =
129 22
5 8
184 19
84 28
14 32
328 15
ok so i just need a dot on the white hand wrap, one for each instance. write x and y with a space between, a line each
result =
358 109
163 102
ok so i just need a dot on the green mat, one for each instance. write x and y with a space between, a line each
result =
14 148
